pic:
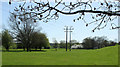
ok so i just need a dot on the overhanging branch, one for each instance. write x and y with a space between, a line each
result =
87 11
44 11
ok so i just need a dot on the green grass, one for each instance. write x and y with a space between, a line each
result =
119 55
104 56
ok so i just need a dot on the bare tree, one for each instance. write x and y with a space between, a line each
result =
22 30
45 11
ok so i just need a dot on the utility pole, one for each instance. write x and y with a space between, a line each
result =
66 30
70 30
70 35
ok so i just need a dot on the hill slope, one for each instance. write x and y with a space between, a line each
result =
104 56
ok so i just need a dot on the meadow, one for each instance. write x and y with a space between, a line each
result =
103 56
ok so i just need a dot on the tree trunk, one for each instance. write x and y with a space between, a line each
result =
27 49
24 48
35 48
30 49
40 48
7 48
56 49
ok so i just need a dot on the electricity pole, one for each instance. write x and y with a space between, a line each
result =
70 30
66 30
70 35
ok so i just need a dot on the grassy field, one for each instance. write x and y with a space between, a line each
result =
103 56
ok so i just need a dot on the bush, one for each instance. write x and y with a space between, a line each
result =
46 47
13 46
19 46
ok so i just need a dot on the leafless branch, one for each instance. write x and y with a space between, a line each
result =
45 11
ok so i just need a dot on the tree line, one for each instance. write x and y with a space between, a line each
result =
39 40
97 42
87 43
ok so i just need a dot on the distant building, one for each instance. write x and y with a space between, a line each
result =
51 44
16 41
75 46
18 44
96 47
